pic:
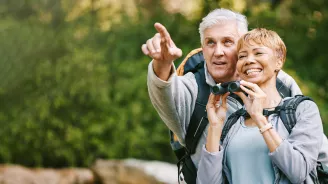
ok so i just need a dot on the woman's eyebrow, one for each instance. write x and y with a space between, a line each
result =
259 48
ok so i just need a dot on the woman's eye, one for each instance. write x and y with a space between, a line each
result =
240 57
258 53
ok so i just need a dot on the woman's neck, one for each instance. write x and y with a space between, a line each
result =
273 97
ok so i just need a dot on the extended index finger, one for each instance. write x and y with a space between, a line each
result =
163 32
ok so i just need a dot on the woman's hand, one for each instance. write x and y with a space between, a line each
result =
254 101
216 113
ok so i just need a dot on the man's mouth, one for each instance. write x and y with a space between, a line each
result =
219 63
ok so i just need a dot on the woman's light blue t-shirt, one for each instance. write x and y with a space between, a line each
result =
248 159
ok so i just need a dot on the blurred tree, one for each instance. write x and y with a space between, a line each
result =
82 94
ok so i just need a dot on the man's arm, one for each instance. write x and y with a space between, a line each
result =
173 97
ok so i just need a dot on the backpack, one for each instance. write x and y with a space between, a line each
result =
194 62
287 113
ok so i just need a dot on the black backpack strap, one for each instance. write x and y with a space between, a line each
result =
194 63
198 121
178 149
322 172
197 125
288 111
232 119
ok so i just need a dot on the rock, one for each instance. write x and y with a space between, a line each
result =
129 171
120 172
162 171
14 174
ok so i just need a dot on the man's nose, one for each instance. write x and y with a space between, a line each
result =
219 50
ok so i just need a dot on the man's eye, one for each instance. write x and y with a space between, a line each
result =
210 42
258 53
228 42
240 57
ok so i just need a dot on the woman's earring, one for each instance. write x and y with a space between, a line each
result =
276 70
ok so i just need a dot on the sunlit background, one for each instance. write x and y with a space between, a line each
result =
73 77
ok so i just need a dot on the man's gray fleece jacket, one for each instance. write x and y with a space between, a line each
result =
175 100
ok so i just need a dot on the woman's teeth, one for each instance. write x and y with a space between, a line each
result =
253 71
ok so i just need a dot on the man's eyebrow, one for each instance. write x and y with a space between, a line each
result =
229 37
209 38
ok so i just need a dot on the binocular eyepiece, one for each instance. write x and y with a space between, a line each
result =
232 86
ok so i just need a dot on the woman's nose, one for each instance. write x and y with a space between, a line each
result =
250 60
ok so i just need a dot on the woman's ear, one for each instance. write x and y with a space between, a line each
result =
279 61
279 56
279 64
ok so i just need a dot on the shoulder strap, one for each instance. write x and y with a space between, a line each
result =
190 62
198 121
232 119
288 111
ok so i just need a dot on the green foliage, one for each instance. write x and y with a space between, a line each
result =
71 93
66 101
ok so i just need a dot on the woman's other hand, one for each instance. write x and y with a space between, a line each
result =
216 112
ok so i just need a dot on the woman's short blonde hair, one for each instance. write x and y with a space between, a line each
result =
266 38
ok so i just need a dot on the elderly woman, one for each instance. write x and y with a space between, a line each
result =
258 148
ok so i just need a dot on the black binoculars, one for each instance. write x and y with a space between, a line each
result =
232 86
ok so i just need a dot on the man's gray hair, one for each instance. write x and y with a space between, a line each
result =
219 16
